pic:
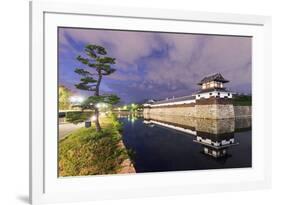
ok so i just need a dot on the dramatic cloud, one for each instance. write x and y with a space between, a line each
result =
158 65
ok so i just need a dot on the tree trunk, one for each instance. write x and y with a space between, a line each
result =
97 122
97 93
98 84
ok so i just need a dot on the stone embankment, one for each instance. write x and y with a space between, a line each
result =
211 111
242 111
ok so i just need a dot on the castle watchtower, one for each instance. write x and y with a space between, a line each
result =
213 86
213 100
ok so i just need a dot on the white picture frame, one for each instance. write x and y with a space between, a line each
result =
46 187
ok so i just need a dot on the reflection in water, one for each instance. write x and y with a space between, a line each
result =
167 143
216 136
215 145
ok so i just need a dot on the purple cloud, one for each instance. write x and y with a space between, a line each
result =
159 65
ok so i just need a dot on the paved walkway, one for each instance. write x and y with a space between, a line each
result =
67 128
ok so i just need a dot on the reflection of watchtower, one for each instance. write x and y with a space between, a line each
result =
216 136
214 101
215 145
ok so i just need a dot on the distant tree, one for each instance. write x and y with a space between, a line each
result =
64 94
97 65
241 100
140 106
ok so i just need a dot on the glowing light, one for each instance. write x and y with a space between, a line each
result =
94 118
101 105
76 99
72 98
204 86
80 99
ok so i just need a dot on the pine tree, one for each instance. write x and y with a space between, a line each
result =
97 65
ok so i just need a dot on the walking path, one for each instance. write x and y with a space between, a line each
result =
67 128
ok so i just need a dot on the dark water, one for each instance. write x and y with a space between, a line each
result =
158 148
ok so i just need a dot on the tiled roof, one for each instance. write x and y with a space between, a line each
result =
178 99
215 77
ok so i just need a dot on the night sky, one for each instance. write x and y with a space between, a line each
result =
157 65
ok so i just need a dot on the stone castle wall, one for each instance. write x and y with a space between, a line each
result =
171 111
215 111
242 111
212 111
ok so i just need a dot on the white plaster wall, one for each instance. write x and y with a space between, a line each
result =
215 143
214 93
171 103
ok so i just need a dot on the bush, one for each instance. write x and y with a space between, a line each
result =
78 116
242 100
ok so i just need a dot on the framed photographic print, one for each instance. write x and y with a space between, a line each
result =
128 102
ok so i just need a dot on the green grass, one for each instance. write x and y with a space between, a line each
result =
86 152
243 100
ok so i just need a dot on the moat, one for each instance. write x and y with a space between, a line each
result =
160 144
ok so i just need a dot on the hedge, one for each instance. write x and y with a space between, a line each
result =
78 116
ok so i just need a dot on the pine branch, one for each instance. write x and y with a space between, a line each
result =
82 72
83 60
84 86
88 80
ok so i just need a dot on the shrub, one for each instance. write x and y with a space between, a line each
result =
78 116
242 100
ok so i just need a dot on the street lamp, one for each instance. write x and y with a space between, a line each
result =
101 105
76 99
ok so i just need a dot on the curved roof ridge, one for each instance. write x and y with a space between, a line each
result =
214 77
